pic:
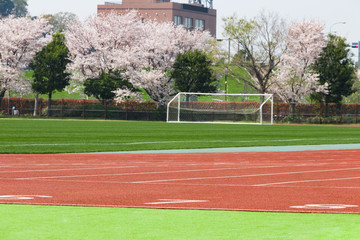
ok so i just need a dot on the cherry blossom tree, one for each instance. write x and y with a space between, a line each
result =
294 79
102 44
20 39
161 43
146 51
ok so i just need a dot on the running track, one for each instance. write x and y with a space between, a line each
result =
303 181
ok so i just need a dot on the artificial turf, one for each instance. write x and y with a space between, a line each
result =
76 136
78 223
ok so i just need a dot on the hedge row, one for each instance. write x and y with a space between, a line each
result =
315 109
23 103
279 108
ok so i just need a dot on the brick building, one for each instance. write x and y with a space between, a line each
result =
192 16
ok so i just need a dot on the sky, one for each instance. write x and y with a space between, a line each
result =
329 12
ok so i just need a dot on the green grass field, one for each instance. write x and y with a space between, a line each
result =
65 136
67 223
19 222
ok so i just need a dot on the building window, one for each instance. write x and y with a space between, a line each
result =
188 23
200 24
177 20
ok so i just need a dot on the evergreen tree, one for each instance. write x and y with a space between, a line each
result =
192 72
20 8
6 7
336 70
49 66
103 87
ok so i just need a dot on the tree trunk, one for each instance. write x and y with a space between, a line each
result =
292 105
187 100
49 104
338 109
105 109
292 108
102 101
36 105
2 94
262 98
326 110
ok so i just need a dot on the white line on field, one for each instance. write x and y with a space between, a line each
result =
142 173
242 176
175 201
244 185
198 184
304 181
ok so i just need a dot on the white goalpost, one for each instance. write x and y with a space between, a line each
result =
221 108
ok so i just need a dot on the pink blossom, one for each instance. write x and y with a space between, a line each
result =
294 80
20 39
146 51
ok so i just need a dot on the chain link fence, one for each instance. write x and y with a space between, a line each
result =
149 111
84 109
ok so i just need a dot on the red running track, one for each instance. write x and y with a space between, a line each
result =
311 181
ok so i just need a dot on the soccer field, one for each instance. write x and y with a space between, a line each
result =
32 222
76 136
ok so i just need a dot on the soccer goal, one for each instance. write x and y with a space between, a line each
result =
221 108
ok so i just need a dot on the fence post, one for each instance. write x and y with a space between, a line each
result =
148 110
84 113
356 113
126 109
39 107
277 111
341 113
1 105
20 106
192 112
105 110
62 108
9 102
234 108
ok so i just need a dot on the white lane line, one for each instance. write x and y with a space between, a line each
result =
69 169
242 176
22 197
325 206
195 184
304 181
139 173
175 201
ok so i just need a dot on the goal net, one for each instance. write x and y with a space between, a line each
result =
221 108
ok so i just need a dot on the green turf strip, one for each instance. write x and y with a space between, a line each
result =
66 136
20 222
